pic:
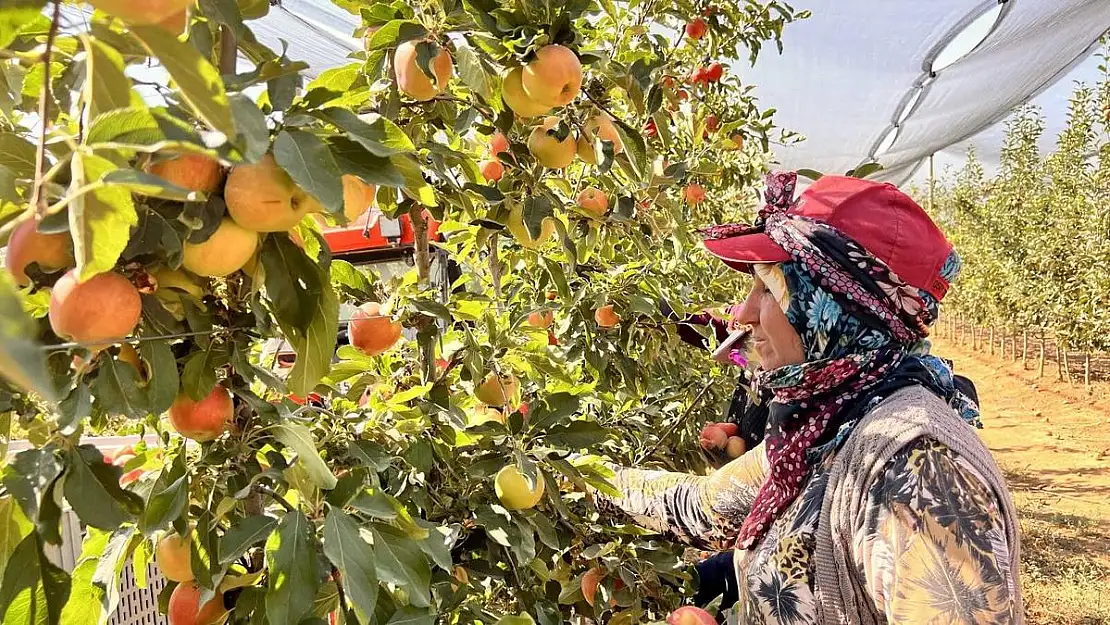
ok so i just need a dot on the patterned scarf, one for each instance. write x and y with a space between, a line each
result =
860 326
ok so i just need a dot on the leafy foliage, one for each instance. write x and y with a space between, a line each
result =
377 503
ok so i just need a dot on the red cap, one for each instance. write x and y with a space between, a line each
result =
879 217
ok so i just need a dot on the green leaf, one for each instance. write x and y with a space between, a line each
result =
22 360
865 170
315 346
117 390
86 599
254 136
110 565
106 87
196 78
150 185
165 506
91 501
576 435
408 615
309 161
355 561
244 535
144 129
19 16
30 479
634 148
33 590
415 186
100 220
353 158
376 133
400 560
18 155
293 282
13 527
198 376
472 72
371 454
812 174
300 439
291 557
164 381
393 33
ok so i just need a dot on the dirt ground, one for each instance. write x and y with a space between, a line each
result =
1053 441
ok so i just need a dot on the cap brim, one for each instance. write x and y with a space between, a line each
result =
740 252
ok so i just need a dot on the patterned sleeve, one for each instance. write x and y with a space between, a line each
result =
705 511
933 548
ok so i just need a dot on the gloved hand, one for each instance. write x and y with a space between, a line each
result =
717 578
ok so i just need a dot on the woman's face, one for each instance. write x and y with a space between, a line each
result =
773 338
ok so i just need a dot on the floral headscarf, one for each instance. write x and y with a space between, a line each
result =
862 329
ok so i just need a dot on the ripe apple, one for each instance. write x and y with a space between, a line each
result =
195 172
694 194
142 12
713 437
731 429
412 81
554 77
492 170
552 340
512 91
185 609
130 477
203 420
541 318
690 615
371 332
173 557
712 123
263 197
549 150
735 447
593 201
497 391
228 250
714 72
520 232
515 490
98 311
650 129
696 28
498 143
590 581
605 317
27 245
485 414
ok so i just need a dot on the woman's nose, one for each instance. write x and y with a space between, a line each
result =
749 310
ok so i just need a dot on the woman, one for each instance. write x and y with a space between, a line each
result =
871 500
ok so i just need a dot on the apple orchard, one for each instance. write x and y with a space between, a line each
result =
559 156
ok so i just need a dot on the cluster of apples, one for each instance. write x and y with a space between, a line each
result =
716 437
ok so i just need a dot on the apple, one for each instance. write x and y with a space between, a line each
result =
412 81
203 420
605 317
184 607
226 251
541 319
694 194
593 201
371 332
696 28
27 245
492 170
512 91
173 556
497 391
690 615
548 149
714 72
554 77
498 143
515 490
735 447
97 312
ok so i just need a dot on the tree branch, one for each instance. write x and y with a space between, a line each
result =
262 488
37 199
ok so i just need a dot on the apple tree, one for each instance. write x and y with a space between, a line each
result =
166 183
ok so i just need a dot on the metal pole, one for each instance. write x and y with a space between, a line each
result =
932 184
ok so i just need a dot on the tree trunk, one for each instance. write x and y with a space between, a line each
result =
1067 366
1087 371
991 350
1059 363
1040 357
1024 347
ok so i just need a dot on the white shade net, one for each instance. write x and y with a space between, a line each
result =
858 70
